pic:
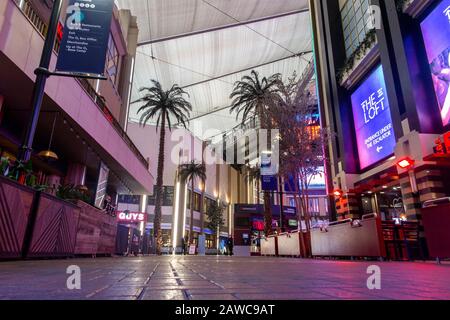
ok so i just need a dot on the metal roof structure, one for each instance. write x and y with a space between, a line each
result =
207 45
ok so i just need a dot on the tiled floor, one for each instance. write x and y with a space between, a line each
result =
221 278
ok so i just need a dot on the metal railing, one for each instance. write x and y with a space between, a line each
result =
30 13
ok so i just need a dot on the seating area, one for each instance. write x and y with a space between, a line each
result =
402 241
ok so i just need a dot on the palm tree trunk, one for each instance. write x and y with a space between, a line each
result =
267 204
159 187
191 224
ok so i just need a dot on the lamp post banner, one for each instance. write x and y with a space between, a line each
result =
85 37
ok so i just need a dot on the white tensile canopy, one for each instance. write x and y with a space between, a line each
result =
207 45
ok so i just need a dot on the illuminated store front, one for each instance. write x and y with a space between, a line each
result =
386 95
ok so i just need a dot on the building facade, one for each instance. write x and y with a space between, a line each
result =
225 184
382 88
82 121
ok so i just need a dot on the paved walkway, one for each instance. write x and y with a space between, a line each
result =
220 278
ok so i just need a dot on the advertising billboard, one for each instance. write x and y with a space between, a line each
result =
372 119
436 35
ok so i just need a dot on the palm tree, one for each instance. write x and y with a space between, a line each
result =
191 171
254 98
165 106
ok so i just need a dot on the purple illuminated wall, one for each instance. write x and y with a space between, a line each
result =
372 119
436 35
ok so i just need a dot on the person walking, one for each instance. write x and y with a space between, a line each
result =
184 243
183 246
230 246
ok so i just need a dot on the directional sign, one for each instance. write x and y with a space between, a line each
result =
85 37
269 183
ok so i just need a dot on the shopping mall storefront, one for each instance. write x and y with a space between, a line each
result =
384 92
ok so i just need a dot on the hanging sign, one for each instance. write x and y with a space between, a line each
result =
268 173
100 194
269 183
85 37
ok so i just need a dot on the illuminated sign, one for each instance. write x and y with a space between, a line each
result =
446 139
436 35
127 216
372 118
293 223
442 146
258 225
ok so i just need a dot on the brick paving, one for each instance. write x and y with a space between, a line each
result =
221 278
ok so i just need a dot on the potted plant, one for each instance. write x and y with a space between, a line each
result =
72 193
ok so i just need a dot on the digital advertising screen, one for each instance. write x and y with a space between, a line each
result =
372 119
436 35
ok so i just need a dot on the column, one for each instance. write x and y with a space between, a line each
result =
347 207
76 174
1 108
430 185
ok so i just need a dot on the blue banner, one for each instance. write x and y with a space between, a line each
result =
85 37
269 183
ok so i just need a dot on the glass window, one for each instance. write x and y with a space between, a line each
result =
197 201
168 195
129 199
151 199
354 23
112 61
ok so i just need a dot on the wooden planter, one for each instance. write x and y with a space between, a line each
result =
96 234
15 208
39 225
55 228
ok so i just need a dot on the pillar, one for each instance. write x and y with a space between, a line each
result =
1 108
430 181
347 207
76 174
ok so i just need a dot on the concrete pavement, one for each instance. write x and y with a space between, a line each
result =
221 278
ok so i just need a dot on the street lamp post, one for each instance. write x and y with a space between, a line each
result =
42 73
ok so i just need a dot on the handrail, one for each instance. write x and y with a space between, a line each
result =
369 215
41 27
334 223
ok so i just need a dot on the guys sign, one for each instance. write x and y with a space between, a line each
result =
85 38
372 118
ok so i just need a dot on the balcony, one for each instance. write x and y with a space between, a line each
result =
21 40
